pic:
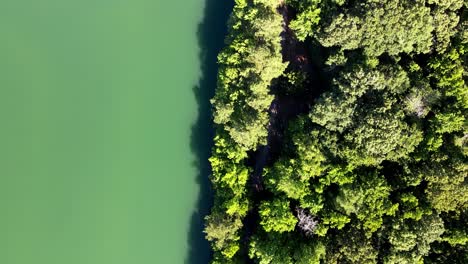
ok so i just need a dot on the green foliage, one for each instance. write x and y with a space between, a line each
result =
336 109
277 216
271 248
295 81
307 19
461 141
222 230
229 174
444 253
309 253
292 175
447 122
374 156
445 23
332 219
410 240
337 58
368 199
363 107
411 208
352 246
226 162
380 137
391 26
248 64
284 178
275 248
447 4
456 225
447 73
447 187
357 81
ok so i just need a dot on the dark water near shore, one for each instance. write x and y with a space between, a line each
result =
106 129
211 32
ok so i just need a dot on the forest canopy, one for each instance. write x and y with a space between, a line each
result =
341 133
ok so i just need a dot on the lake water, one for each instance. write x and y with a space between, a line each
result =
102 153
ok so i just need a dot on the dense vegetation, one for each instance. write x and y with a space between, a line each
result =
374 168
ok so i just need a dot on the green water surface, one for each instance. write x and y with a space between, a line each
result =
96 109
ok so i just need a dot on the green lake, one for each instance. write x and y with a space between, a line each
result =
105 129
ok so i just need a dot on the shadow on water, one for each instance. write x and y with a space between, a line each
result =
210 34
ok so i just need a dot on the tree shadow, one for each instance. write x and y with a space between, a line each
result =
211 32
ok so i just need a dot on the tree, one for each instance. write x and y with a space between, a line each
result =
447 4
391 26
249 63
374 171
368 199
271 248
309 253
447 187
444 253
277 216
410 240
336 110
275 248
456 228
307 19
379 137
410 207
351 246
222 231
445 23
291 175
363 107
447 73
229 175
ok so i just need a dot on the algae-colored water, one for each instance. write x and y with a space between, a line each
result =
97 108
